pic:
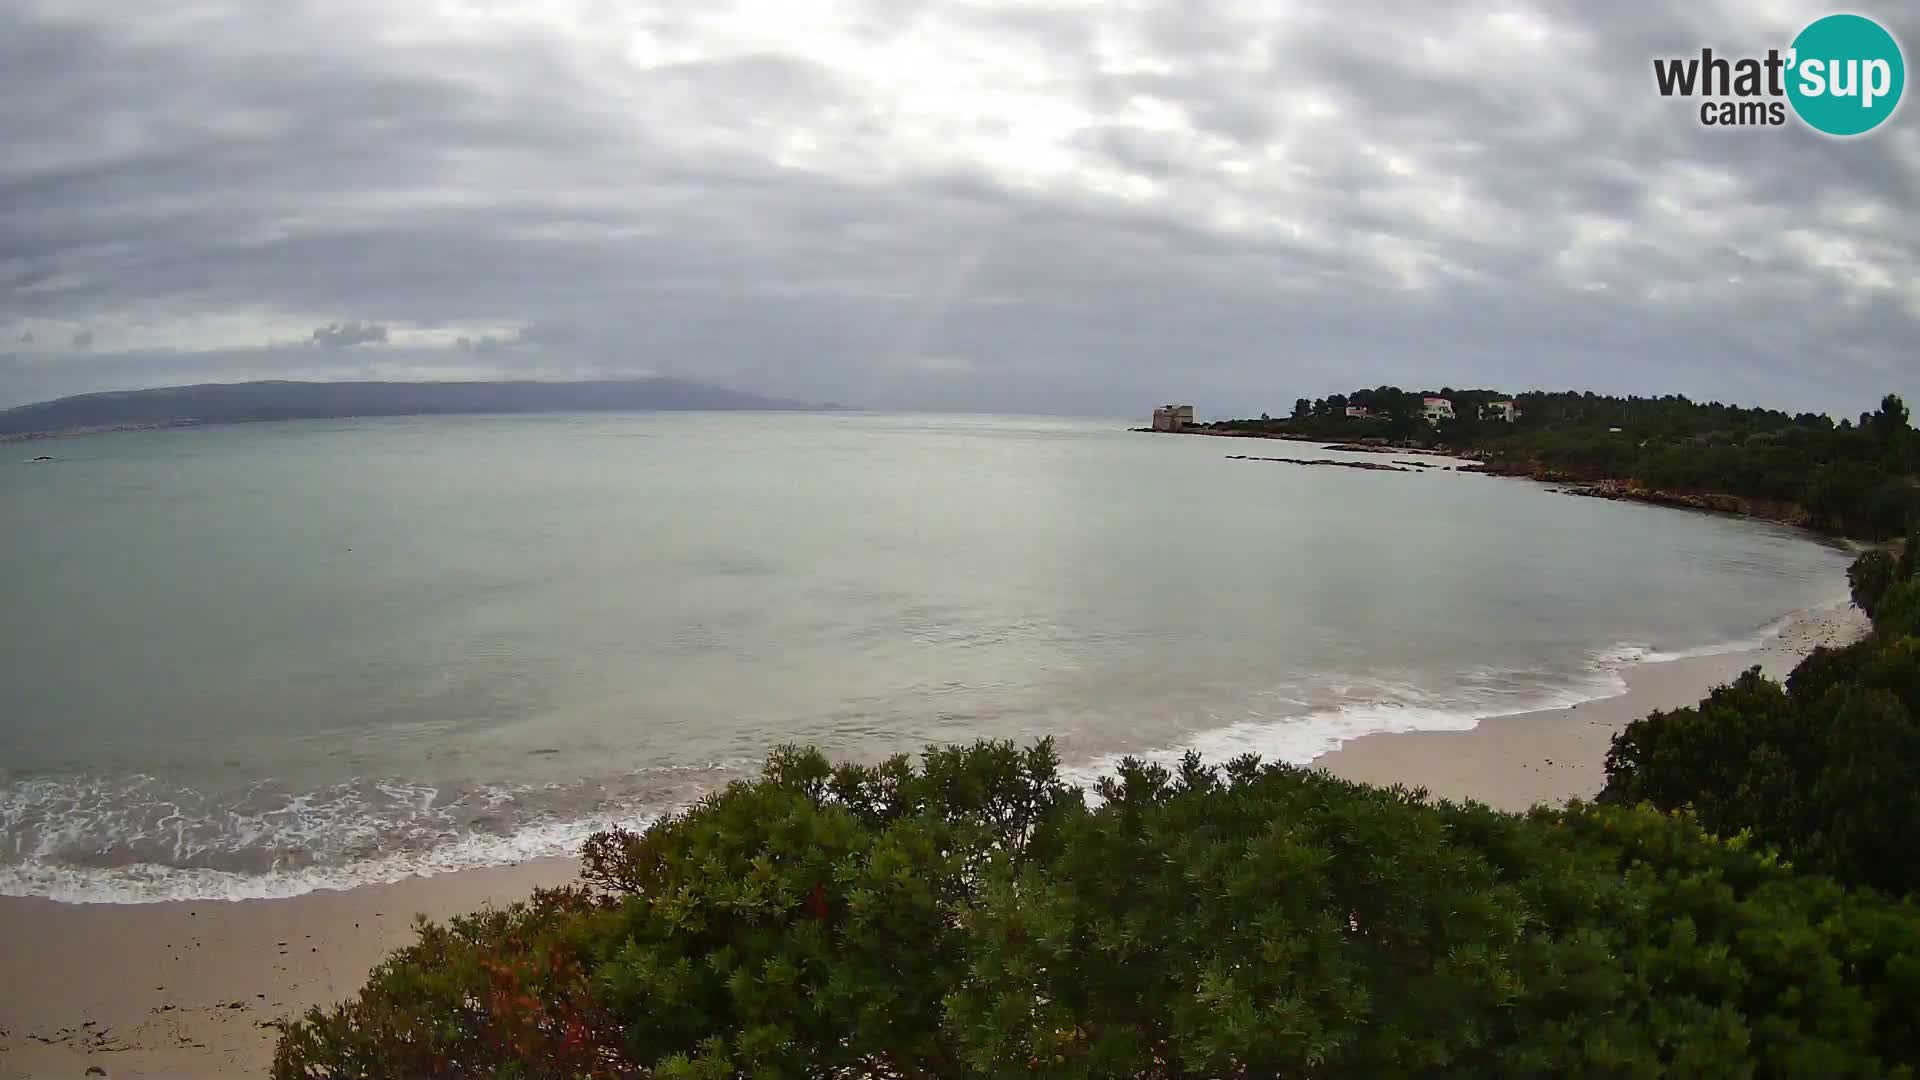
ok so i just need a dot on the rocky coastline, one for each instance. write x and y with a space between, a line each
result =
1492 464
1785 513
1370 466
1763 509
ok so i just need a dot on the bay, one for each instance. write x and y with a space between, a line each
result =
260 659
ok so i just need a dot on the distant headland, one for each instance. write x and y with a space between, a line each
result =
1855 478
253 402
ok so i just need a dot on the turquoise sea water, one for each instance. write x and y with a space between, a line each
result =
259 659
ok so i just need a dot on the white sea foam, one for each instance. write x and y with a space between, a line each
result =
1299 740
135 841
92 840
1646 654
142 883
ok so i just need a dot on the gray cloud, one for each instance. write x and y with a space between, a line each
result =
344 335
944 205
83 339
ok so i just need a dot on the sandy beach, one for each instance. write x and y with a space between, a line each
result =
199 988
196 989
1552 756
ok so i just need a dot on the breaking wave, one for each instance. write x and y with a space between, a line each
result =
138 840
1390 709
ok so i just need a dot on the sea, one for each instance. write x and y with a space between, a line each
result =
258 660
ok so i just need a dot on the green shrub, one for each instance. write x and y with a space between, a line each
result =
1731 760
974 917
1822 770
1898 613
1870 576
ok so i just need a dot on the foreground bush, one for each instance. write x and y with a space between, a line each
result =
974 917
1869 578
1823 769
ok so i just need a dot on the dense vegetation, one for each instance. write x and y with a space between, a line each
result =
1738 904
975 917
1861 479
1823 769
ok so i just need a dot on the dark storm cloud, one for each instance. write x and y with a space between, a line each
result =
345 335
940 205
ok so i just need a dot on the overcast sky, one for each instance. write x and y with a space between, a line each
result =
1081 206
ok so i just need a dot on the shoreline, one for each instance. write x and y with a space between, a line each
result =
1553 756
1476 461
199 987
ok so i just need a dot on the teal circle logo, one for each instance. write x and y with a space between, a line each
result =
1846 75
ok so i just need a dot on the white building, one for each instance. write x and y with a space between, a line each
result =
1358 412
1500 410
1173 418
1436 409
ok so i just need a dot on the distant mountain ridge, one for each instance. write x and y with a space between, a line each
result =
252 402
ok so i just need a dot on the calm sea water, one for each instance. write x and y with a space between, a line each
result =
256 660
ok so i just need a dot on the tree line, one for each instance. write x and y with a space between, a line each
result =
1821 769
1857 478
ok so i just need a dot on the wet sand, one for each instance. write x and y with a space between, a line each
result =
197 988
1555 755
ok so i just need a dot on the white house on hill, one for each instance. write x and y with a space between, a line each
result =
1500 410
1436 409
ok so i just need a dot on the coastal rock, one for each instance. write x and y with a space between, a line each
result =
1785 513
1368 465
1239 433
1587 486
